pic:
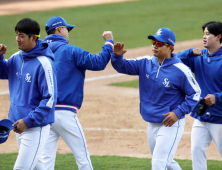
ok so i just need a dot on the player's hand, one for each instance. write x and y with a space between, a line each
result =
3 49
170 119
196 51
21 126
118 49
108 35
210 99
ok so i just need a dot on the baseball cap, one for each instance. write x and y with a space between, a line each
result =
56 21
164 35
5 128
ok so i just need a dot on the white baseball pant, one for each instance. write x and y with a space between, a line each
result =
68 127
201 137
31 143
163 142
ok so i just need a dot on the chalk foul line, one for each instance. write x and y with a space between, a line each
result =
120 130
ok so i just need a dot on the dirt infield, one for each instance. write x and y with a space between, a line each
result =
110 115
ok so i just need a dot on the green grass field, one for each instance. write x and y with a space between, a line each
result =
130 22
134 83
67 162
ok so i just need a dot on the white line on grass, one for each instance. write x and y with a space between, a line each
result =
87 79
4 92
119 130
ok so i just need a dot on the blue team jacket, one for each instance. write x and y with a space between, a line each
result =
32 85
71 62
208 73
163 88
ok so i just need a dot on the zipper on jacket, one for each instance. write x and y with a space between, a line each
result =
22 62
159 68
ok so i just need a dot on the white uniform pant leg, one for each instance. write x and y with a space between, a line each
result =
31 144
75 139
68 127
201 137
49 153
163 142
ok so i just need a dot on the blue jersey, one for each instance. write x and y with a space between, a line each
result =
32 85
163 88
208 73
71 63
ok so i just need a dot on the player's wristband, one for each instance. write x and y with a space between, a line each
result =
110 42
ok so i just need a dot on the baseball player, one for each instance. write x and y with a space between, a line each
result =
206 64
71 63
31 77
168 91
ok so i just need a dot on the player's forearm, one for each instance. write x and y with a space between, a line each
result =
88 61
122 65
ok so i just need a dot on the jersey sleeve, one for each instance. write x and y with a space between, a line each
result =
187 57
218 97
48 89
125 66
190 88
86 60
3 68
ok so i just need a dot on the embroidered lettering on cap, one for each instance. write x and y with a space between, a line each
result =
56 23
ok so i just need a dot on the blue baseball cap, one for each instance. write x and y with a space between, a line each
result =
56 21
5 128
164 35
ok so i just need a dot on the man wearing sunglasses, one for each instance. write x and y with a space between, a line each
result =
206 64
168 91
71 63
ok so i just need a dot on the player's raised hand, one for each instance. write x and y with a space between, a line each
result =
108 35
170 119
210 99
3 49
196 51
118 49
21 126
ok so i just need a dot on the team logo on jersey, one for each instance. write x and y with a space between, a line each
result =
147 75
159 32
28 77
166 82
17 74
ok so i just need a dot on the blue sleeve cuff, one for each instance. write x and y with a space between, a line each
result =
116 56
27 121
109 42
178 112
218 97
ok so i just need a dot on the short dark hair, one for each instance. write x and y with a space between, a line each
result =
214 28
28 26
51 31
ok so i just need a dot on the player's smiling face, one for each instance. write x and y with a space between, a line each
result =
209 39
24 42
161 52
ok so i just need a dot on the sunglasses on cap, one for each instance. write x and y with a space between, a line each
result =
159 44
